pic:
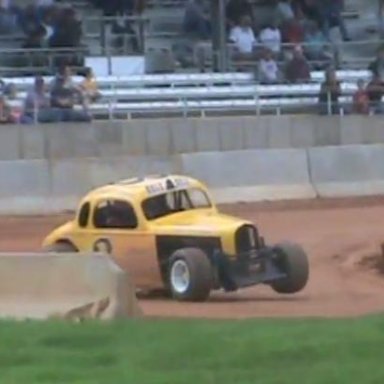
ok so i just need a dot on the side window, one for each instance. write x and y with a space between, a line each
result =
84 215
115 214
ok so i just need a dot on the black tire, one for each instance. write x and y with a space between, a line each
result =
61 247
200 274
294 261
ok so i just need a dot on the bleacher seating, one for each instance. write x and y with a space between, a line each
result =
202 93
190 92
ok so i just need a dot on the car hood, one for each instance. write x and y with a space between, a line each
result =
198 222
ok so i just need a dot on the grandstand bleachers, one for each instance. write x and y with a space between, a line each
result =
186 91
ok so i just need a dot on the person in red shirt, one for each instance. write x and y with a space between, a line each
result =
361 99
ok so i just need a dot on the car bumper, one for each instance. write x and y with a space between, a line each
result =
246 269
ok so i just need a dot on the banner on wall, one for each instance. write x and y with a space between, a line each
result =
116 65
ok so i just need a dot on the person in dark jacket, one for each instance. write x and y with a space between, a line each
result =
330 92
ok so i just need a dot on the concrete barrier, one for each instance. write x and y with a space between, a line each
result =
68 286
251 175
165 137
44 187
354 170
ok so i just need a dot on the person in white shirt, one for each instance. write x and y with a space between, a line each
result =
268 69
243 37
270 37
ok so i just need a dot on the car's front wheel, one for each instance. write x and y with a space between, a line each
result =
292 260
190 276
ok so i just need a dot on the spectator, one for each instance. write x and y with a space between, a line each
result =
65 73
29 20
123 29
196 20
67 32
316 46
5 112
48 23
361 99
236 10
329 93
63 99
37 105
375 91
243 37
377 66
15 105
89 87
298 69
270 37
268 70
292 32
35 38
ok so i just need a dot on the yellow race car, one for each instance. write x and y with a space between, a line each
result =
168 234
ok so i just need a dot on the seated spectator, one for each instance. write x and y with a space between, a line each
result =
377 66
89 87
236 10
123 30
292 32
15 105
196 20
63 100
67 30
5 112
330 92
361 99
37 106
297 69
268 71
64 72
48 24
375 91
243 37
270 37
316 46
29 20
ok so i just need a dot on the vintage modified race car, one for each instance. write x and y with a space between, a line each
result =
168 234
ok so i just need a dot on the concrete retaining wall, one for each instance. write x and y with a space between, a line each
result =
40 286
252 175
50 186
164 137
354 170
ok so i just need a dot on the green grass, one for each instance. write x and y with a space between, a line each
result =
187 351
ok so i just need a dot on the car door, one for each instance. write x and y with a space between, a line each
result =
116 230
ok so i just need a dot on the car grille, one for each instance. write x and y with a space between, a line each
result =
246 238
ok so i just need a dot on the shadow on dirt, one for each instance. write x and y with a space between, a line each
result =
374 262
222 298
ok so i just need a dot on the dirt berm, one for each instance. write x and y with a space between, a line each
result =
69 286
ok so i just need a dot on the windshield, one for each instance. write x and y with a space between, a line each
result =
173 202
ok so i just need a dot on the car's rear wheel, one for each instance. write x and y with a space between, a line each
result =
292 259
190 275
61 247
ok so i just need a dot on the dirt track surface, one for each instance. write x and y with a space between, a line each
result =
342 238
